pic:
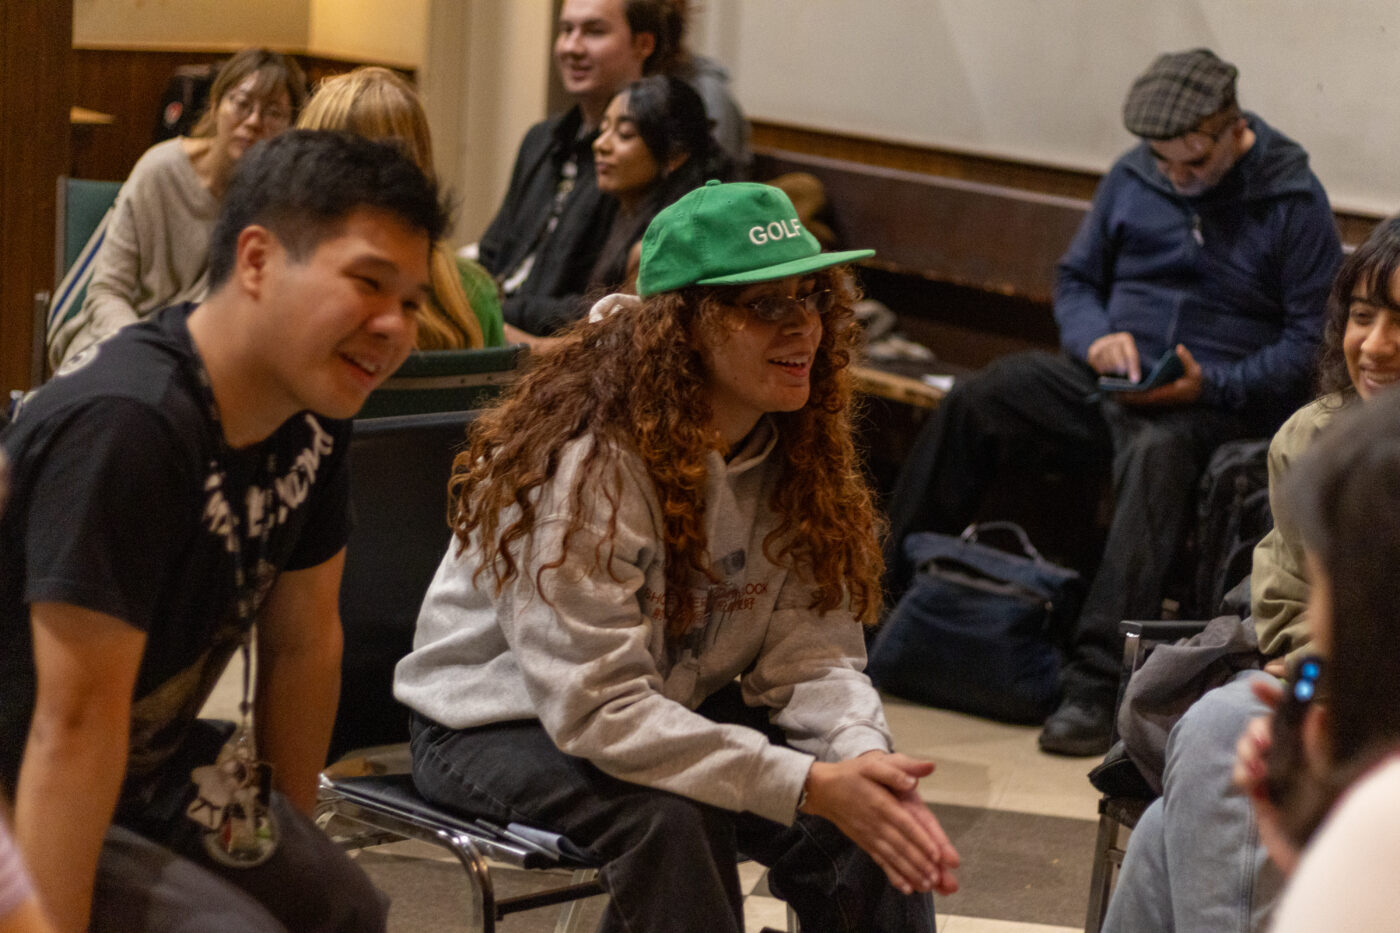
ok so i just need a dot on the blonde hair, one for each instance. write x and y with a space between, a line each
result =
379 104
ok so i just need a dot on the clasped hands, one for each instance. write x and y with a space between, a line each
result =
874 800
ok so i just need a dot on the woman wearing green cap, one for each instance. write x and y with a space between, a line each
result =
646 634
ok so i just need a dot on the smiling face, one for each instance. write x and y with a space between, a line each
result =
625 167
597 53
340 320
244 117
1371 342
755 366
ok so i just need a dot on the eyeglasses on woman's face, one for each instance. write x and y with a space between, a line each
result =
243 105
773 308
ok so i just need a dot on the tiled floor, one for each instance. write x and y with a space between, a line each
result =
1023 822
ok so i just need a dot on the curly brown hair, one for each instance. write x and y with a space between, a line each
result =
636 381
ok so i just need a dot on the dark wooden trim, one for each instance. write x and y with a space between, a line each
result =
987 236
36 38
128 83
925 160
946 163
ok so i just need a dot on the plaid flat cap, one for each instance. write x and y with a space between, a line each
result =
1179 91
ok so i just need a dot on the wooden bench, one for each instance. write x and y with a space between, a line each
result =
989 237
991 248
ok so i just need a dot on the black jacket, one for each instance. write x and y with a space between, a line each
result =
550 297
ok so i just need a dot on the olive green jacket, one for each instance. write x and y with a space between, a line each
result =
1279 586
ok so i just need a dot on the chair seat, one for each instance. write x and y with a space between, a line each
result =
524 846
1126 811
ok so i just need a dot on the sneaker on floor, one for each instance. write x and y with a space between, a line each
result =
1078 727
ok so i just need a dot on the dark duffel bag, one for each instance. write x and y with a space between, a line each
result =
978 629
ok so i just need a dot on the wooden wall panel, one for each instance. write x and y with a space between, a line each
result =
987 236
35 44
1005 173
128 84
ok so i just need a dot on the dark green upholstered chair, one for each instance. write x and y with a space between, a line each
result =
447 380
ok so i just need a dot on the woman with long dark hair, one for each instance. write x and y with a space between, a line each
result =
1328 811
646 633
653 146
1195 860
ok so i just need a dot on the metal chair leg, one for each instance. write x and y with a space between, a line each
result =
1101 880
571 916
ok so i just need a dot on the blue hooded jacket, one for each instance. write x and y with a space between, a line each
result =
1238 274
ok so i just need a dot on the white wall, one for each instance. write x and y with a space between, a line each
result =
372 30
189 24
1043 80
483 65
388 31
484 82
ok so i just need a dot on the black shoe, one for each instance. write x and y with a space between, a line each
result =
1079 727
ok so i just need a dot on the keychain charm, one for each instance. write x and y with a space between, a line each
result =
232 795
232 805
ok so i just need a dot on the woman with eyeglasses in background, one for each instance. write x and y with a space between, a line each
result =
155 252
669 501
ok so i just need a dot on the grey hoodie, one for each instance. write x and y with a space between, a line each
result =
592 663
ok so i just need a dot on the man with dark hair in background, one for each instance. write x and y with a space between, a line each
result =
1211 238
171 488
546 236
711 81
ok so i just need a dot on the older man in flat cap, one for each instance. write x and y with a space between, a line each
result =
1210 238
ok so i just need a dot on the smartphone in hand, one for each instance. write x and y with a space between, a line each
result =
1166 370
1286 762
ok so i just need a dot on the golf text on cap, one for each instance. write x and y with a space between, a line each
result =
777 230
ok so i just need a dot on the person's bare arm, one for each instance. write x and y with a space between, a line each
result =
28 917
76 752
299 646
536 344
874 801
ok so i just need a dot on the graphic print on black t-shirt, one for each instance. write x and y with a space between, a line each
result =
112 510
270 495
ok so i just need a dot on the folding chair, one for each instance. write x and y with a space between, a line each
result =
446 380
400 467
1120 812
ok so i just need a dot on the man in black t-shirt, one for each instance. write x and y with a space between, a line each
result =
171 488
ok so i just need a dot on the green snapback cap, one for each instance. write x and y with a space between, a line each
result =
730 234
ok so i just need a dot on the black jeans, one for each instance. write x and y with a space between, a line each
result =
172 885
1044 411
669 861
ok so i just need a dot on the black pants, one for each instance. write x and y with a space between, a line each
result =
1042 411
670 862
172 885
